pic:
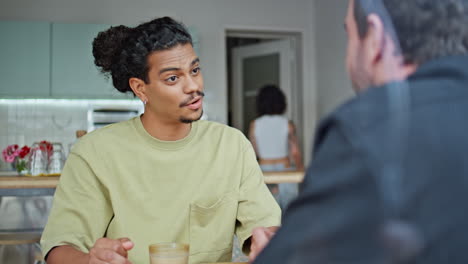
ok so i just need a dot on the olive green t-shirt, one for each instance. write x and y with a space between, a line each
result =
119 181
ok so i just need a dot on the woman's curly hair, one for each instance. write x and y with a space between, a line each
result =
270 100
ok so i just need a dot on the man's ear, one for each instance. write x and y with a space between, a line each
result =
375 40
139 88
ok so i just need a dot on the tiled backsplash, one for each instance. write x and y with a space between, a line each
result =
24 122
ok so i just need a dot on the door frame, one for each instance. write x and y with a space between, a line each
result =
283 46
296 37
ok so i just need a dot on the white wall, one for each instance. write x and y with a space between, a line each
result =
333 83
310 92
208 17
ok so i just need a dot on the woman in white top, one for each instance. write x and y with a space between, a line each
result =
274 139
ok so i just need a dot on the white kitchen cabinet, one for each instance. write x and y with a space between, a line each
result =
54 60
74 74
24 59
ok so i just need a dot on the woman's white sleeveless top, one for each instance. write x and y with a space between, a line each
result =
271 136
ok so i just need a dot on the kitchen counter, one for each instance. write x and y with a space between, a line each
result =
283 177
14 185
18 182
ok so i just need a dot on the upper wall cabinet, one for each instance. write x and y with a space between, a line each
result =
24 59
74 74
44 60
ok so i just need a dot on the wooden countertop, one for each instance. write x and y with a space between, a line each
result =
283 177
228 263
40 182
19 238
25 182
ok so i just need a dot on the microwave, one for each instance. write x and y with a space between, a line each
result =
102 116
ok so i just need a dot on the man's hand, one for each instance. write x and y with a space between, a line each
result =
113 251
260 238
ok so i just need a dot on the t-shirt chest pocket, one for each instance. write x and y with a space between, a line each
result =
212 227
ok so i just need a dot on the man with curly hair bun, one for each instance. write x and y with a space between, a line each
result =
389 178
165 176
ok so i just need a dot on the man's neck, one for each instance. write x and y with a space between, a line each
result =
392 67
392 73
164 130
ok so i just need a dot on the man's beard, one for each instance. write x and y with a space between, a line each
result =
188 120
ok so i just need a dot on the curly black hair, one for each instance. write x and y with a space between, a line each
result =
425 29
270 100
122 52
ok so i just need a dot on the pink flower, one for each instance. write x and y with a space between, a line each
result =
10 159
9 153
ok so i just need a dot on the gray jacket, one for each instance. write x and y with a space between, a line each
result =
382 159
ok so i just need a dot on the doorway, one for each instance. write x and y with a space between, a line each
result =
255 59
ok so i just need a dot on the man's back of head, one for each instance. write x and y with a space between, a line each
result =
389 39
425 29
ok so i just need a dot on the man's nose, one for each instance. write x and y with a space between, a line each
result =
193 84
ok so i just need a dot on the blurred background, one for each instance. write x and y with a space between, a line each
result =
50 88
45 53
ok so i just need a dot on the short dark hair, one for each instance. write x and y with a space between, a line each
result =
270 100
425 29
122 52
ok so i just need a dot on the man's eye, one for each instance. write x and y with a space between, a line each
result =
196 70
171 79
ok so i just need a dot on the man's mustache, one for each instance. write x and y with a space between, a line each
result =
195 94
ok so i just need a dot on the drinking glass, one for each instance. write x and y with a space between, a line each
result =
169 253
37 161
56 160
